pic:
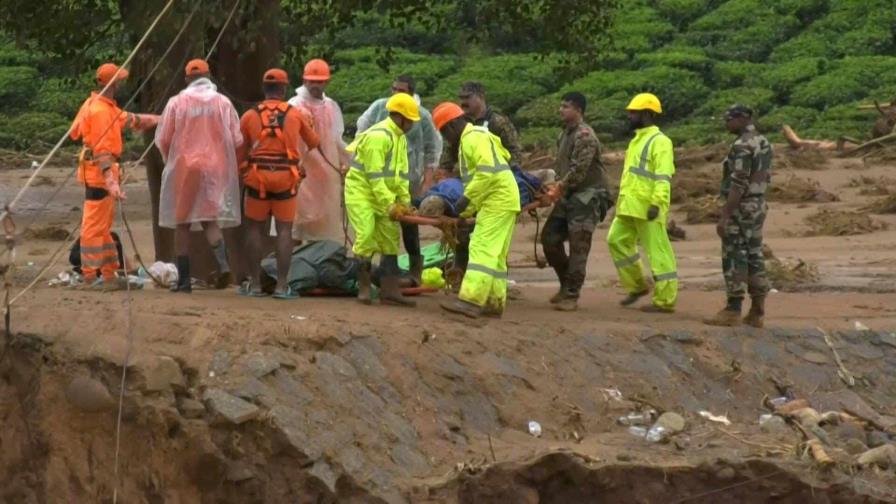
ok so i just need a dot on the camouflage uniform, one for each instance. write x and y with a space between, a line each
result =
583 206
497 123
748 167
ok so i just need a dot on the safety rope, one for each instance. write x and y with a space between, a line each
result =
130 101
128 299
347 242
58 145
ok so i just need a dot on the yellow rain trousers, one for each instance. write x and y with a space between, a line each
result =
494 198
378 178
646 181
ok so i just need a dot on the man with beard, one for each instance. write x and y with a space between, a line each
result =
642 209
319 215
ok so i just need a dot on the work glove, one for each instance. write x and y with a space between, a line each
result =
113 187
397 210
653 212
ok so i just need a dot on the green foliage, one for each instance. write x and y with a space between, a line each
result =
844 119
638 30
784 77
726 74
846 81
693 133
539 137
60 96
18 85
741 30
31 128
677 89
542 111
686 57
681 12
761 100
798 118
510 80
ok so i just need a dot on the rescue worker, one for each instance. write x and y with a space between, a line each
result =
99 125
320 216
376 189
198 135
270 163
585 202
642 208
492 194
746 172
473 103
424 149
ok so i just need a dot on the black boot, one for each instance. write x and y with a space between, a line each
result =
183 276
390 292
364 281
416 269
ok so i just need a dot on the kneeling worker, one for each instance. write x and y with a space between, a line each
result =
269 158
376 186
492 194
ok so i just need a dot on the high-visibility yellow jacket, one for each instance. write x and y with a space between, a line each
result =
647 174
485 170
378 176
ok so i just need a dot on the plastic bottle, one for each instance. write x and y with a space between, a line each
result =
635 419
637 431
656 434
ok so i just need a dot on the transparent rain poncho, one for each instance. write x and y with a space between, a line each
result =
197 135
319 216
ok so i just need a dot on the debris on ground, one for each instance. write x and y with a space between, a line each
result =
790 274
800 190
722 419
52 233
872 186
675 232
42 180
690 184
827 222
702 210
687 159
802 159
882 206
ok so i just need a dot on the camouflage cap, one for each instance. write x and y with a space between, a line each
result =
738 110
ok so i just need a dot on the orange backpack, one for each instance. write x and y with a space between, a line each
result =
272 176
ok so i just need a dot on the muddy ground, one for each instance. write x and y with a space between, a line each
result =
239 400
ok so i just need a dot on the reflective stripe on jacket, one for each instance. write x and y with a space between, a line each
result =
378 174
485 171
647 174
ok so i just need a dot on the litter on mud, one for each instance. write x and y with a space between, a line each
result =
827 222
702 210
799 190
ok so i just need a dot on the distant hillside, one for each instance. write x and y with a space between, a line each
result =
807 63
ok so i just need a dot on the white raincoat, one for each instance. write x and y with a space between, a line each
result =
197 135
319 216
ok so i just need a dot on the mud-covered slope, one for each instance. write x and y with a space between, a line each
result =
328 402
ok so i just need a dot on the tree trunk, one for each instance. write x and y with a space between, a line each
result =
237 68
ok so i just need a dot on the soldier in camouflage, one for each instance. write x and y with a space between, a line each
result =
472 100
584 204
745 178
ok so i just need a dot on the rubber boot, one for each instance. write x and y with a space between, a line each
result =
757 313
416 268
492 311
633 298
561 294
183 276
390 291
461 307
364 282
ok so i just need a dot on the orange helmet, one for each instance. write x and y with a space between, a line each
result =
196 67
108 71
276 75
316 70
446 112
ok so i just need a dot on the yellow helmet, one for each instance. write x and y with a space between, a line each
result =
645 101
404 104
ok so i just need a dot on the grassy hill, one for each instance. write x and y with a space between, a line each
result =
807 63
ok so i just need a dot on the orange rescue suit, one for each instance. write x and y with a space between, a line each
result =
98 125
